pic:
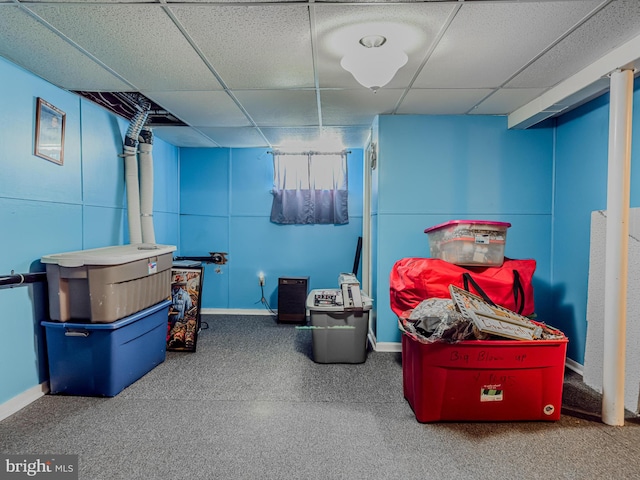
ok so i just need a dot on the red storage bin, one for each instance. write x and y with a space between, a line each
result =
484 380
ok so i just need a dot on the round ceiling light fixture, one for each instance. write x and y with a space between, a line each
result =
375 65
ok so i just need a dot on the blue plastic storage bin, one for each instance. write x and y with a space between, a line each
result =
102 359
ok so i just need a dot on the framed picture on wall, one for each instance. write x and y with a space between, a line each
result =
49 138
184 313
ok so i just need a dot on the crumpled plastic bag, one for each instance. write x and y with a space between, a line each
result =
437 320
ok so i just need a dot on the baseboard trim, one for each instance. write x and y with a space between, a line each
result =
20 401
388 347
383 346
237 311
575 366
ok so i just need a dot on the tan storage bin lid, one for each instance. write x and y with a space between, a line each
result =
116 255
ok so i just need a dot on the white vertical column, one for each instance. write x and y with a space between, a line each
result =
366 222
615 301
133 193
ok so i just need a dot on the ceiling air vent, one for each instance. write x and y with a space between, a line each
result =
126 105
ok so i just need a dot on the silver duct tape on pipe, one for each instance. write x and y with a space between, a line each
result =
146 185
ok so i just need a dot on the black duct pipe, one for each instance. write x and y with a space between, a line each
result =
22 278
218 258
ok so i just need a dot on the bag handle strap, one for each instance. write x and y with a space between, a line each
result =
518 290
468 280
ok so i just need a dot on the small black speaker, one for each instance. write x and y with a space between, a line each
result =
292 299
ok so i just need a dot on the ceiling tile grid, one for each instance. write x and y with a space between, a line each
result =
280 108
505 100
184 137
139 42
315 138
426 101
235 137
616 23
201 109
357 105
267 73
33 46
487 43
253 46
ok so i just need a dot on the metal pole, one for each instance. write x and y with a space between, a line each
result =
616 256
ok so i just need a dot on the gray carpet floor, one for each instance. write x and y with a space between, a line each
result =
252 404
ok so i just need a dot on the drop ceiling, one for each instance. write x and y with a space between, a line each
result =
267 74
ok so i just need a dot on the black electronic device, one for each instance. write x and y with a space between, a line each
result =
292 298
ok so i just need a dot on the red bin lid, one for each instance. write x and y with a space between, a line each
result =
472 222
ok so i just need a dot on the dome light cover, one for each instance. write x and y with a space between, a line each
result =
376 64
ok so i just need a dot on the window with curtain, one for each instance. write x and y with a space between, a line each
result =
310 188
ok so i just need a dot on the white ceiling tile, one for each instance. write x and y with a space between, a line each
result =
280 108
340 27
315 138
352 137
30 44
235 137
139 42
201 109
184 137
356 106
612 26
441 101
506 100
487 43
279 137
253 46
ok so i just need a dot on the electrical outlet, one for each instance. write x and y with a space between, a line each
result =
261 279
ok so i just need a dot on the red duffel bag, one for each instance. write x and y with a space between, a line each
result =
413 280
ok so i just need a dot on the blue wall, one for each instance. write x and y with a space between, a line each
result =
225 206
545 181
581 187
435 169
48 208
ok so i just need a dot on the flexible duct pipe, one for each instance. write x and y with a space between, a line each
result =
146 185
131 173
616 255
